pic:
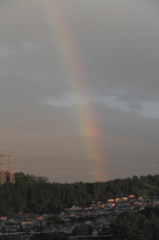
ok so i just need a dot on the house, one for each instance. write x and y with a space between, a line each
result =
4 218
94 232
88 223
137 203
124 199
83 230
141 199
102 221
132 198
11 229
155 202
111 200
25 225
112 216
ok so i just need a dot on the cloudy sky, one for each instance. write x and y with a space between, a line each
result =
79 83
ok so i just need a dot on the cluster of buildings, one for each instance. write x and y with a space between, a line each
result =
110 209
78 220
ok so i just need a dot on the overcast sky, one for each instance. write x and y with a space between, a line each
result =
79 88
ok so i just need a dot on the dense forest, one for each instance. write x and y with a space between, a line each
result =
38 195
141 225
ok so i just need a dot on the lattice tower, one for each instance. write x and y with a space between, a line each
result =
11 168
2 168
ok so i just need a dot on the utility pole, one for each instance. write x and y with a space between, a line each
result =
2 168
41 232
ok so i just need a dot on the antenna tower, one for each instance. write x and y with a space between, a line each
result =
2 168
11 168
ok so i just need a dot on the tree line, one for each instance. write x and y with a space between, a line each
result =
141 225
38 195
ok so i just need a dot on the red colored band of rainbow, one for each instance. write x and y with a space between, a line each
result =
59 27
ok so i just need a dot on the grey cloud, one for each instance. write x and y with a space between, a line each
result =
122 49
47 114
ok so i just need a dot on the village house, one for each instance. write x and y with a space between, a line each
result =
123 199
83 230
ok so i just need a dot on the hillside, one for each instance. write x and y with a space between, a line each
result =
38 195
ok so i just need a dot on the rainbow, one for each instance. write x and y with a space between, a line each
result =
59 27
